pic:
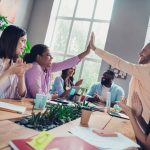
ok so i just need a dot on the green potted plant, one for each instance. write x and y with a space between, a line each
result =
53 116
3 23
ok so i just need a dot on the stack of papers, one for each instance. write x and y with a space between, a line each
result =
12 107
119 142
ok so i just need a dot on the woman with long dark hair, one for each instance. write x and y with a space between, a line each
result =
63 84
12 43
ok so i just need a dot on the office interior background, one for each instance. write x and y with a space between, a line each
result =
121 27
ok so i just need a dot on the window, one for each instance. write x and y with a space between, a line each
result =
147 39
70 26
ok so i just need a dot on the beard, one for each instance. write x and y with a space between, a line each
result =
146 60
106 82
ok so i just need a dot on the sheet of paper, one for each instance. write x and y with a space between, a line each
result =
113 143
8 106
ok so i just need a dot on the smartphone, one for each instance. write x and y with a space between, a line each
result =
72 92
120 115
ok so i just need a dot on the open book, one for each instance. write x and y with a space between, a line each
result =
12 108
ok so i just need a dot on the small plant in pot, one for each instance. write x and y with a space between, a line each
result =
85 114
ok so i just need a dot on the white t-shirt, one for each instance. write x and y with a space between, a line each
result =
104 92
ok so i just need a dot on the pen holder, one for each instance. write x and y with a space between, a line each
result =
85 116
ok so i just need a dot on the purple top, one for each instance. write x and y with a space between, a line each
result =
38 81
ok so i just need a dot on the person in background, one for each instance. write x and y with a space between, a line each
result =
140 73
62 84
98 91
140 127
12 68
38 77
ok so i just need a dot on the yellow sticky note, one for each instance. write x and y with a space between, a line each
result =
40 141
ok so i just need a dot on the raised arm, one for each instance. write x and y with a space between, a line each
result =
117 62
68 63
86 52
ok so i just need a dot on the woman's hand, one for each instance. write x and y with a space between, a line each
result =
23 67
19 68
78 83
92 42
86 52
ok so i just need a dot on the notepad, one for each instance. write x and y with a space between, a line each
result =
12 107
118 142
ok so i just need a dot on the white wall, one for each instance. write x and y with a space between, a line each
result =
23 13
39 20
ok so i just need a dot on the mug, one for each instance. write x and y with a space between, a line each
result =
40 101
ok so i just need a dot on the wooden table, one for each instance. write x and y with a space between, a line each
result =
9 130
6 115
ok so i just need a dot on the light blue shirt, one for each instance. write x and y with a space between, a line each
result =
58 86
116 91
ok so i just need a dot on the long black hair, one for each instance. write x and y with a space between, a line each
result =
64 76
38 49
9 40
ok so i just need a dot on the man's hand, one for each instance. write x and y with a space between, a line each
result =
136 105
126 109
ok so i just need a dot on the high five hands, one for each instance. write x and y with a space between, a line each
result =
19 68
92 42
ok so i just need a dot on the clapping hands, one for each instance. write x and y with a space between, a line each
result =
19 68
136 108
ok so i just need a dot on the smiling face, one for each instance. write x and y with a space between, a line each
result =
70 72
45 60
21 44
144 55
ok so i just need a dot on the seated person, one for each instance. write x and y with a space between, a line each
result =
140 127
98 91
62 84
39 76
12 68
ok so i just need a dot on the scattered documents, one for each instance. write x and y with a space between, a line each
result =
118 142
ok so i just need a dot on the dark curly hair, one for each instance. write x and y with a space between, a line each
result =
38 49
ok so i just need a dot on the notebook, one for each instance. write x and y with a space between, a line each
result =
62 143
12 107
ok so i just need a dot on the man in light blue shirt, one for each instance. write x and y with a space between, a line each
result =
98 91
